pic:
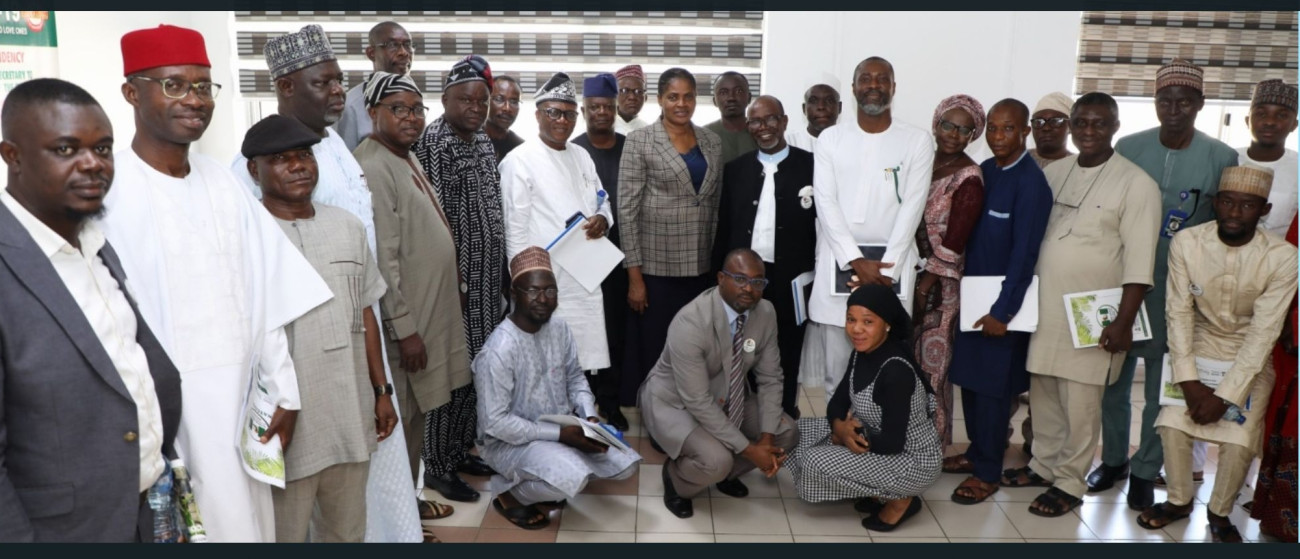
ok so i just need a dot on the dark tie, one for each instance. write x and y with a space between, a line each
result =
736 381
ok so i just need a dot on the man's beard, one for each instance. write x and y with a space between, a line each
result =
86 216
875 109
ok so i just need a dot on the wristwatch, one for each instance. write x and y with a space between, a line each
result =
383 390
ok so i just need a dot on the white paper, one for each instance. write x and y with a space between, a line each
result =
979 293
263 462
588 260
797 286
1088 312
591 430
1210 372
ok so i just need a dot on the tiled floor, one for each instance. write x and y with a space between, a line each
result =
632 510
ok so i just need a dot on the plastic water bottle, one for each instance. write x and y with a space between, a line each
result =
1234 415
189 508
164 509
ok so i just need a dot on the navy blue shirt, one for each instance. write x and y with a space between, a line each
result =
697 165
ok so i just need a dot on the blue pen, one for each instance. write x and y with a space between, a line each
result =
601 195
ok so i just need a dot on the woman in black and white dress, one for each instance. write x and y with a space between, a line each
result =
878 442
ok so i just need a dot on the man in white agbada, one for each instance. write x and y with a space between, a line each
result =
870 181
528 368
545 183
214 276
308 88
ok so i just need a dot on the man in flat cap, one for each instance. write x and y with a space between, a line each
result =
309 89
423 326
215 278
530 368
1050 124
1229 290
1271 120
1185 163
503 108
821 110
461 165
631 98
346 400
605 146
545 183
390 50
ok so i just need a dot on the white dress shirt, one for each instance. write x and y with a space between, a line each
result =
102 300
764 237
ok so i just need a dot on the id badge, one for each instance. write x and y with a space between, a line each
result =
1173 223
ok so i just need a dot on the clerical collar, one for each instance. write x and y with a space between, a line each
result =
774 158
1022 158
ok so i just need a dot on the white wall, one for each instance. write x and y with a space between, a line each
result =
987 55
90 55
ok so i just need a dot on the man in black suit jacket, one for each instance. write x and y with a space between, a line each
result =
89 401
767 206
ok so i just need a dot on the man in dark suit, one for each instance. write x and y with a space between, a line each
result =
89 403
767 206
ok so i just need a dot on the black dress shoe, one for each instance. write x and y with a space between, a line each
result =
1141 493
733 487
655 445
475 466
680 507
614 416
451 487
1105 476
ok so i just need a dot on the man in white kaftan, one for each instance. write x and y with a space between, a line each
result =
870 180
545 183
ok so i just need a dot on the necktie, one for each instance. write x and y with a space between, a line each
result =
764 237
736 381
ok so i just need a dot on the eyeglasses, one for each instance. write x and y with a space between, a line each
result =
178 89
1054 122
533 292
771 121
395 46
403 111
629 90
501 100
964 131
757 283
555 114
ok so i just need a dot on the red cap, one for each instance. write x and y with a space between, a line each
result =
165 45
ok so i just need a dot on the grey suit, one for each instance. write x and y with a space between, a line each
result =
69 456
681 399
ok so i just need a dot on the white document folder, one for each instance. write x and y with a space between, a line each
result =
588 260
978 293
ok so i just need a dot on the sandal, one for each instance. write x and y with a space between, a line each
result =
433 510
958 464
1012 477
429 537
875 524
973 490
1054 503
1163 514
522 516
1226 533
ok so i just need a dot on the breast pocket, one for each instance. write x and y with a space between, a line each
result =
346 281
1243 304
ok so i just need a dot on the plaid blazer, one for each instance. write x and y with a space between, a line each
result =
666 227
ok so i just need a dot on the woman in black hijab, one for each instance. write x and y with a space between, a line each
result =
878 442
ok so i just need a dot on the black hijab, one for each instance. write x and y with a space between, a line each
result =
884 302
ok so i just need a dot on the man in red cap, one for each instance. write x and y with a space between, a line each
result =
631 97
215 279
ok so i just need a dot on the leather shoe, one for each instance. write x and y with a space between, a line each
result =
451 487
655 445
475 466
733 487
1141 493
1105 476
680 507
614 416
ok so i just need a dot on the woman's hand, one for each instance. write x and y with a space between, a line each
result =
844 432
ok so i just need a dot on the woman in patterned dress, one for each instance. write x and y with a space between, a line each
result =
951 210
1275 492
878 442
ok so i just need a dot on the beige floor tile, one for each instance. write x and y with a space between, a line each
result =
752 538
824 519
600 513
942 488
1069 526
1060 540
648 453
749 516
650 480
467 514
1117 522
785 481
902 539
817 391
959 431
981 520
805 408
673 537
455 534
614 487
653 516
569 536
760 487
515 536
832 539
986 540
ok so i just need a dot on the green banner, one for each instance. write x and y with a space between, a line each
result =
28 48
28 29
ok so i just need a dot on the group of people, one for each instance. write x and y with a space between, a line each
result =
364 274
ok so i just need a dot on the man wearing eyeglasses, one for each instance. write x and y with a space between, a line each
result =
1186 164
1050 124
503 108
215 278
767 206
631 98
731 95
696 403
390 50
546 184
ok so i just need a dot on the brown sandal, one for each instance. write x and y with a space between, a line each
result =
973 490
433 510
958 464
429 537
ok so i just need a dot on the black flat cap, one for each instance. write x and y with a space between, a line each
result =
277 134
